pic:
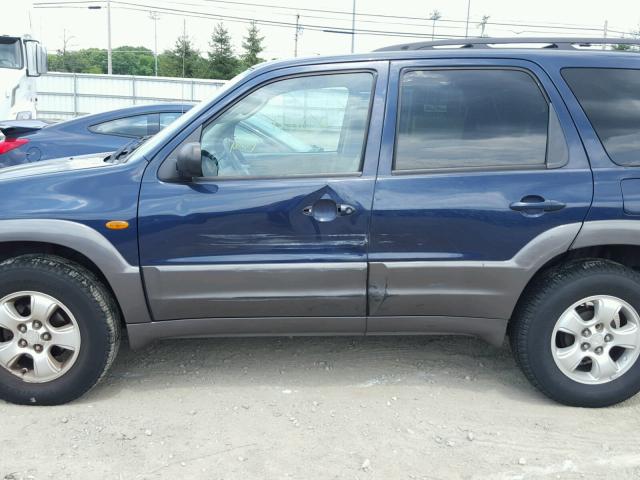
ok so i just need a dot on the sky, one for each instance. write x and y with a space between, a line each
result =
84 28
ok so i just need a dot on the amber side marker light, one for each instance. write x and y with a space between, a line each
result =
117 225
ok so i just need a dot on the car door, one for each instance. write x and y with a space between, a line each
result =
482 180
270 234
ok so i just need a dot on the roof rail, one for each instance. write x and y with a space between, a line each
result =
566 43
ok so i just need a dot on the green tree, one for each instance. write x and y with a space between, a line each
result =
89 60
252 46
223 64
133 61
183 56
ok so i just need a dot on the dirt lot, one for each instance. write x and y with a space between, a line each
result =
307 408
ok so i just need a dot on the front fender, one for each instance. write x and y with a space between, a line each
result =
124 279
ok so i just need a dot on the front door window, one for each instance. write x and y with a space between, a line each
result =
308 125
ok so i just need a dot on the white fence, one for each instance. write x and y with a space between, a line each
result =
67 95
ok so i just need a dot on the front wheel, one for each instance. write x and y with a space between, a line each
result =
59 330
576 333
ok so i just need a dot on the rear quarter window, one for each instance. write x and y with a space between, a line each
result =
610 97
134 126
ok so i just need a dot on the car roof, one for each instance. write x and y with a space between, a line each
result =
586 57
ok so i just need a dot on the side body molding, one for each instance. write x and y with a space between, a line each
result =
473 289
124 279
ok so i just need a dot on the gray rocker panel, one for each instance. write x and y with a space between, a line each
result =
123 278
140 335
257 290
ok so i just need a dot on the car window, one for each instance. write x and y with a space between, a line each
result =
248 140
10 53
167 117
304 125
469 119
134 126
610 97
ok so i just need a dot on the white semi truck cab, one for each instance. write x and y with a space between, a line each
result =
22 59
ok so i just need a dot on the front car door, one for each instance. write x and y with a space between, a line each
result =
274 237
482 180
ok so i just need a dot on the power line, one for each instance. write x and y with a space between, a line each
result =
316 27
547 26
277 23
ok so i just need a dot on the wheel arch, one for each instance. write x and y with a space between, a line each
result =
627 254
84 245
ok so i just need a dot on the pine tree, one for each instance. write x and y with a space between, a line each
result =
183 57
252 45
222 62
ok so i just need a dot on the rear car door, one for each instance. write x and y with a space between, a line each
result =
275 234
482 178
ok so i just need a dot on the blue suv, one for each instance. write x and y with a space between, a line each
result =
418 190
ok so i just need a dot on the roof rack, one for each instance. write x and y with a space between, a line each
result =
566 43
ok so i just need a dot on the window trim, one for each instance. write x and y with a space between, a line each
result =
359 173
91 127
595 131
487 168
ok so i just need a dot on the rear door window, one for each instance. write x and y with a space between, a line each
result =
610 97
470 118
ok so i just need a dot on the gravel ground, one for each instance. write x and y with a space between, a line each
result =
326 408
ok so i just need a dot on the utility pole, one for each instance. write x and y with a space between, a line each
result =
483 24
466 28
184 47
605 30
109 59
353 27
296 35
434 16
109 54
155 16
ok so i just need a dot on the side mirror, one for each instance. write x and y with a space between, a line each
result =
43 60
189 162
31 51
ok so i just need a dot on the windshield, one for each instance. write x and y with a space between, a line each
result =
177 126
10 53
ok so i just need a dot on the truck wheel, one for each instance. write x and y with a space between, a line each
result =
59 330
576 333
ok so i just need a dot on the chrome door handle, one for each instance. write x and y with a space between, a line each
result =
538 204
325 210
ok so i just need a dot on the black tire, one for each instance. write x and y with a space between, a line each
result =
95 312
543 302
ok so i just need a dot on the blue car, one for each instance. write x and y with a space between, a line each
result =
33 140
424 189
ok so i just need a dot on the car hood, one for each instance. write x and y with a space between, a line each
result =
56 165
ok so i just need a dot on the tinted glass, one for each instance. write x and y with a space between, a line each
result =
305 125
136 126
611 100
470 118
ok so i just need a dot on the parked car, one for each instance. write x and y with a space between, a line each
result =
33 140
475 191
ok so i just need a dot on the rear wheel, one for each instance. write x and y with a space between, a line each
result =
576 333
59 330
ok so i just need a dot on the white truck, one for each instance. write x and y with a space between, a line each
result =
22 59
